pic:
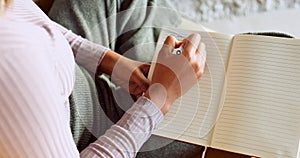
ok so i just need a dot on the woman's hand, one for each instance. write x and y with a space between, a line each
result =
175 74
127 73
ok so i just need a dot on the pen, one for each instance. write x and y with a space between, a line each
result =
177 51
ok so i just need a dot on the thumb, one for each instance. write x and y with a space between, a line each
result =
169 45
145 69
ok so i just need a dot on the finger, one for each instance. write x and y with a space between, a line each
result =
198 51
145 69
169 44
140 79
202 69
136 91
191 44
170 41
132 88
178 43
202 65
203 51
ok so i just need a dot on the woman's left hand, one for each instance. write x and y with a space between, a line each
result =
127 73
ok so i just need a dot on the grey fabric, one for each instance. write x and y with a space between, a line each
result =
129 27
89 119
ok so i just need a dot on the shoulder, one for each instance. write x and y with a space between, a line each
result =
15 31
19 37
23 43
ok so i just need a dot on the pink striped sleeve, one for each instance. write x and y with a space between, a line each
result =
88 54
125 138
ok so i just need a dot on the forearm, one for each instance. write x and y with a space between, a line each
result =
126 137
109 61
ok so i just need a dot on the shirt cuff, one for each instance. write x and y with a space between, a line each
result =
145 108
149 106
90 55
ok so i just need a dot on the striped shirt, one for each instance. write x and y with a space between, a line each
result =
36 78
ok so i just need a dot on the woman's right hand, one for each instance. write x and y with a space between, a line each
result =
174 74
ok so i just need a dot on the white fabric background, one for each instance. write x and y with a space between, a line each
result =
240 16
209 10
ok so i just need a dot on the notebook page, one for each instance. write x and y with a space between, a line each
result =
261 113
192 116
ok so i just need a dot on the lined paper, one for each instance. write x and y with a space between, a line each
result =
262 108
192 117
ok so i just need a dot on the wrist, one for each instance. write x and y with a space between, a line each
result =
158 95
108 62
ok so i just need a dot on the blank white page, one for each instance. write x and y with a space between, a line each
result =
261 113
192 116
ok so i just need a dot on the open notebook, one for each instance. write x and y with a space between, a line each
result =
248 100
